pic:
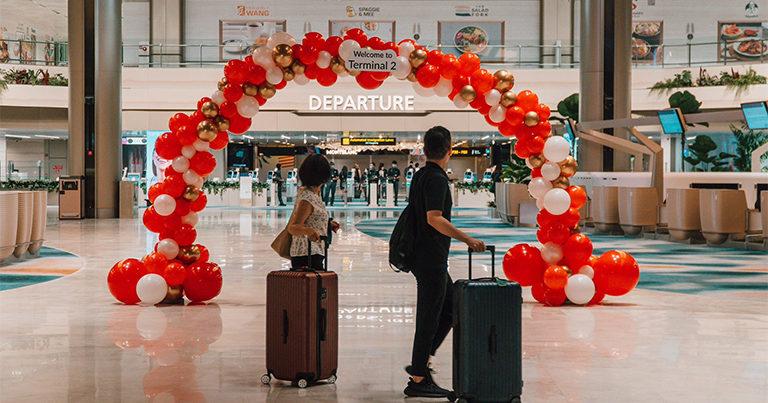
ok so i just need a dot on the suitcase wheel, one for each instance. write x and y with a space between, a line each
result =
332 379
266 379
302 383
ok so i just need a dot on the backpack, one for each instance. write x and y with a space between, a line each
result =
402 241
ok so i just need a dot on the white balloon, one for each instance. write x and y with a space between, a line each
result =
405 49
262 56
274 75
188 151
497 113
191 177
587 270
190 219
151 289
424 92
247 106
218 97
443 87
402 68
278 38
168 248
540 203
201 145
300 79
324 59
180 164
556 149
460 102
551 252
164 204
347 47
557 201
493 97
151 322
550 171
579 289
538 187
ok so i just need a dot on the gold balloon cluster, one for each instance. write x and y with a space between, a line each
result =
191 193
209 109
504 80
222 123
568 166
508 98
337 66
283 55
267 90
536 161
189 254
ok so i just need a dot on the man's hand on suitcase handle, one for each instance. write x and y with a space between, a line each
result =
475 245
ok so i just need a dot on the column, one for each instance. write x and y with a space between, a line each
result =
622 77
3 161
166 29
591 79
108 156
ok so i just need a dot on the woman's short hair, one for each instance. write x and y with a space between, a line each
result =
315 170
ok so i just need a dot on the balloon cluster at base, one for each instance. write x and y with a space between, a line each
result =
180 266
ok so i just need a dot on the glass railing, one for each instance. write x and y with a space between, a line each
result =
716 52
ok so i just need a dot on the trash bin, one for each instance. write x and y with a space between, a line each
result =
71 198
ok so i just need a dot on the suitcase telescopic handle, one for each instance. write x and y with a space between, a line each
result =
489 248
309 251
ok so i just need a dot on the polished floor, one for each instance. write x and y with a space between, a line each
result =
696 329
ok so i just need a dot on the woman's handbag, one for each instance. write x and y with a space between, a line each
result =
282 244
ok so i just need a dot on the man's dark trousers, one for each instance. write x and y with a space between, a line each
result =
434 318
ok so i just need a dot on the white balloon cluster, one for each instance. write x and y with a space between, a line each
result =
555 200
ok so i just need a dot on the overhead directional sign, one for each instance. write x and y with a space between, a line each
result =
372 60
368 141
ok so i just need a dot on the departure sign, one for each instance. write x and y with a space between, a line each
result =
372 60
368 141
469 151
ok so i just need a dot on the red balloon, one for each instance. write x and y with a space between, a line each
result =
311 71
332 45
203 163
435 57
261 99
196 117
578 196
556 232
182 208
597 298
491 122
366 80
202 282
515 115
616 273
122 280
545 218
555 277
449 66
177 121
174 273
428 75
201 101
506 129
199 203
521 150
523 264
482 80
256 74
538 291
554 297
326 77
185 235
174 185
543 129
221 141
527 100
239 124
152 221
535 145
236 71
279 86
204 254
228 109
544 112
536 173
375 43
459 81
576 251
168 146
154 191
468 63
313 38
379 75
170 224
478 103
155 263
357 34
186 135
232 92
309 54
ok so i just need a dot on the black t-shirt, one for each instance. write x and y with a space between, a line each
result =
430 191
394 173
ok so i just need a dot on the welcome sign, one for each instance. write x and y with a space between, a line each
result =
372 60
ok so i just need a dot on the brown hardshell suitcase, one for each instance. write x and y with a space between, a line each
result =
302 326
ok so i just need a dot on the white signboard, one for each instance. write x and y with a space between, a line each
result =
246 188
372 60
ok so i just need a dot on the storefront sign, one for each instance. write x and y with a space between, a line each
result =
477 10
368 141
248 11
372 60
358 103
362 11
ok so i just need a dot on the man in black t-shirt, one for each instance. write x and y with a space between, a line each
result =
393 173
430 201
329 192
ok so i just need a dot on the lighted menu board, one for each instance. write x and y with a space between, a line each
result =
755 114
672 121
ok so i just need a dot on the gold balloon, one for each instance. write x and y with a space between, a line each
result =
354 73
504 80
468 93
288 74
209 109
250 89
412 77
174 295
222 83
568 166
297 67
337 66
417 57
207 130
536 161
191 193
531 118
561 182
508 99
188 254
267 91
283 55
223 123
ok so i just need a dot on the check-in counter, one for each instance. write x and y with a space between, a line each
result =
638 208
723 214
682 214
22 222
604 208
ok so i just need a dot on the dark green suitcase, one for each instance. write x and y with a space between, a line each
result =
487 346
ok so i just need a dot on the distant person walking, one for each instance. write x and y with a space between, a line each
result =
277 178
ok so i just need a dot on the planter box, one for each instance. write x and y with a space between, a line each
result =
719 97
465 198
41 96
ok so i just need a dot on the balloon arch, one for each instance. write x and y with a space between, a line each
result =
563 268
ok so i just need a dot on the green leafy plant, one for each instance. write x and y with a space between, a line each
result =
515 171
42 184
682 79
747 141
474 187
741 81
218 187
569 107
700 158
686 101
33 77
732 79
259 187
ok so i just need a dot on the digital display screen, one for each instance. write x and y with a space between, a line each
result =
368 141
756 114
671 121
240 156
